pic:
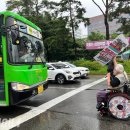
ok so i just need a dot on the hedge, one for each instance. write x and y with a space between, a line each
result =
96 68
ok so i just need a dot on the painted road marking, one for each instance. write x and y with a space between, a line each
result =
61 88
25 106
15 122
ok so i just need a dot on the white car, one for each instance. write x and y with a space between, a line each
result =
83 70
60 73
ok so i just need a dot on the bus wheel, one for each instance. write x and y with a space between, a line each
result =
60 79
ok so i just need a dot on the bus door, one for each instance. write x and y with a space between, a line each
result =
2 90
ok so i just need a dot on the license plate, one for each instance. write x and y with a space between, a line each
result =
40 89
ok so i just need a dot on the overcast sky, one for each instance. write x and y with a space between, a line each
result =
92 10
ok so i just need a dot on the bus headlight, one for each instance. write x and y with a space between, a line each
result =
18 86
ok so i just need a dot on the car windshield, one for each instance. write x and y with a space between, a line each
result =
29 46
71 65
60 66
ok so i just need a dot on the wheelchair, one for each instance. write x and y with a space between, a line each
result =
114 102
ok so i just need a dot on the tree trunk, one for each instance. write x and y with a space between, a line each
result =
37 11
107 28
107 6
37 8
106 21
73 31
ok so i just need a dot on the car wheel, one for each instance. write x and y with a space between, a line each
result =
60 79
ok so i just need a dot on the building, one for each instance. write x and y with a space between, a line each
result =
97 24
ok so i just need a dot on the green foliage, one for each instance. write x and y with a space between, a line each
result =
96 68
121 12
114 35
126 64
96 36
56 36
81 41
58 40
74 12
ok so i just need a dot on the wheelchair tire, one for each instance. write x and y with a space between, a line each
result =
119 106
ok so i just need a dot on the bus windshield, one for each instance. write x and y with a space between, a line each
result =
29 47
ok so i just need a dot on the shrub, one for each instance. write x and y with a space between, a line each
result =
96 68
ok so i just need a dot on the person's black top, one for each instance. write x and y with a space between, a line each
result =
114 81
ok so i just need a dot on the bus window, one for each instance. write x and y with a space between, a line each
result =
2 92
27 50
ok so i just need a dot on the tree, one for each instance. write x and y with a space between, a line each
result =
121 12
73 11
23 7
27 8
108 6
56 36
96 36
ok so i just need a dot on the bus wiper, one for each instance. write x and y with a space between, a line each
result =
31 64
36 55
42 61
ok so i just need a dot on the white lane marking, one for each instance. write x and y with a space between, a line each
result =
25 106
15 122
61 88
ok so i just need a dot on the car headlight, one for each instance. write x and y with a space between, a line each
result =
18 86
67 71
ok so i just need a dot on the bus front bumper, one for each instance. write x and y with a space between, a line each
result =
20 96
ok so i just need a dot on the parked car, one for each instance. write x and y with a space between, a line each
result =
60 73
84 72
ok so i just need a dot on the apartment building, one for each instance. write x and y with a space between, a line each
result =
97 24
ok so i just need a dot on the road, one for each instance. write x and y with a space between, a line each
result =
77 112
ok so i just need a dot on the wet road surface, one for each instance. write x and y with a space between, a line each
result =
75 113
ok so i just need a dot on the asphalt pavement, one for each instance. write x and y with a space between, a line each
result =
75 113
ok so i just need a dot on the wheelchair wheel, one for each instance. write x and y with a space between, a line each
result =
119 106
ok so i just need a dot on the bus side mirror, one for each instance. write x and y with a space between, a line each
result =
15 37
15 34
3 30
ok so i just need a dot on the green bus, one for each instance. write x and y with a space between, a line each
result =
23 72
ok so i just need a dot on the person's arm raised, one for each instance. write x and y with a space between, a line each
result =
114 61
